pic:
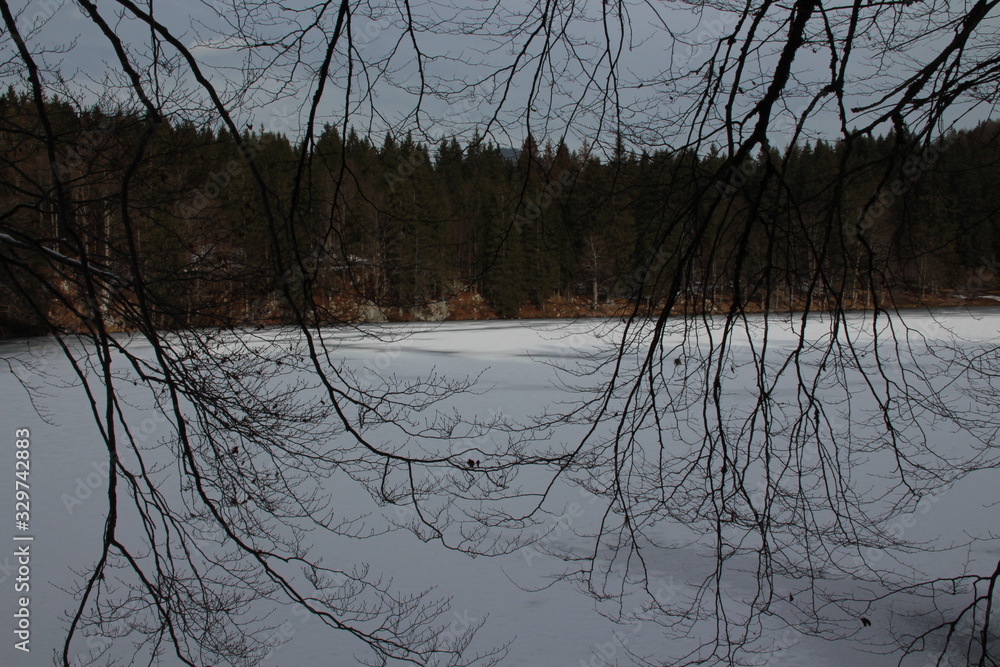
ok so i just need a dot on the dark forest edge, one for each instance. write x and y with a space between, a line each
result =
405 230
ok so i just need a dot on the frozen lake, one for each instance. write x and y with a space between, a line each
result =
522 370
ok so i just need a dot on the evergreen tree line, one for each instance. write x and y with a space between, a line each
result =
360 227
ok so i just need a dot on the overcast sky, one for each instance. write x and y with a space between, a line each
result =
266 86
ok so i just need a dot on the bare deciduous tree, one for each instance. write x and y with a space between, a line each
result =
259 423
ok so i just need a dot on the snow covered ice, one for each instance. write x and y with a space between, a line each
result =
521 371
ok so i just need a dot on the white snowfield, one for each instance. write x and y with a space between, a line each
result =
521 370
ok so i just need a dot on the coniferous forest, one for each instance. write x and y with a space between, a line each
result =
395 228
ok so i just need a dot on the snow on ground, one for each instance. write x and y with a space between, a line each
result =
557 626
